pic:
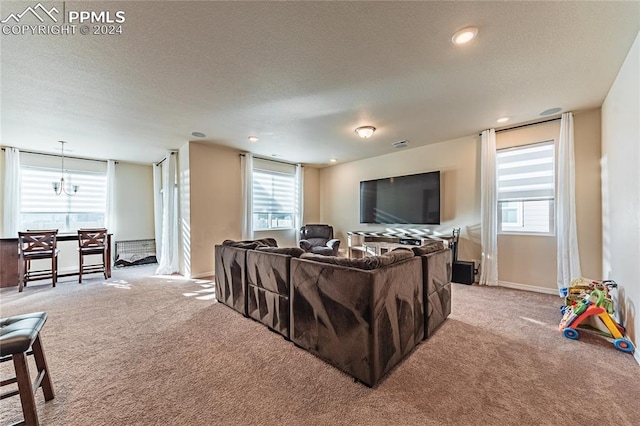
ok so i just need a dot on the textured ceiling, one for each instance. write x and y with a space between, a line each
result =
303 75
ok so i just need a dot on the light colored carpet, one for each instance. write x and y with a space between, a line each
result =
139 350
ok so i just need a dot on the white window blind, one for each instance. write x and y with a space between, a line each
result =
526 188
526 173
273 200
41 208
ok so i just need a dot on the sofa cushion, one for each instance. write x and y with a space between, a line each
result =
366 263
428 248
251 244
289 251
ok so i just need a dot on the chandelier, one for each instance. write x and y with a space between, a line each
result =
59 187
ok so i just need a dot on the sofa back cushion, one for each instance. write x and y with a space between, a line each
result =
428 248
324 232
366 263
289 251
251 244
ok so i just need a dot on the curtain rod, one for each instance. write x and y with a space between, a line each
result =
275 161
58 155
524 125
162 161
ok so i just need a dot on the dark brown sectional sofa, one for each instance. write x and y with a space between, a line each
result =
363 316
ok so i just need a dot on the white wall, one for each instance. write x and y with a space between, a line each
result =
621 190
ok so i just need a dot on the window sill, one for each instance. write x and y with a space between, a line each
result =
528 234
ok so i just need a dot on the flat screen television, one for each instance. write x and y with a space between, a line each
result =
411 199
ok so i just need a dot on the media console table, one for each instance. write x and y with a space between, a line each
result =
365 243
10 260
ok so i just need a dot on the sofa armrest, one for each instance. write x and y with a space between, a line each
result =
333 244
305 245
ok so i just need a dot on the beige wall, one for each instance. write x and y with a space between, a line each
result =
311 195
587 151
184 216
528 259
215 202
531 259
458 163
522 259
621 190
2 193
133 202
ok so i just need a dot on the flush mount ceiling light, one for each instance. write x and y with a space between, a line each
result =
333 160
59 186
253 139
198 134
464 35
365 132
502 120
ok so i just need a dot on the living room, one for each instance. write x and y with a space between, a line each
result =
437 116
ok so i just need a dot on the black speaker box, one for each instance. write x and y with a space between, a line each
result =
463 272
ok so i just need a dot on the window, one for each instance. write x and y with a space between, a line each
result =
274 199
526 189
41 208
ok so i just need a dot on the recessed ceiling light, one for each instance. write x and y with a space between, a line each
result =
551 111
333 160
253 139
198 134
502 120
365 132
464 35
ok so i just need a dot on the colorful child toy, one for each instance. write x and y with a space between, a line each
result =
594 302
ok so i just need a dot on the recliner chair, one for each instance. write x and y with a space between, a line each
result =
318 239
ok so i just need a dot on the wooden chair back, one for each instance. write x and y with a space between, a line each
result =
37 242
94 238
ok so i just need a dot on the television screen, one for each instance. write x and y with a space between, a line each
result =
412 199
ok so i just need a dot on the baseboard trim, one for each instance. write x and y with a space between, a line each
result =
202 275
636 353
528 287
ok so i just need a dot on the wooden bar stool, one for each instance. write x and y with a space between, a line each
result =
17 335
33 245
92 241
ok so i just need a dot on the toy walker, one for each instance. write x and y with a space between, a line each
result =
595 302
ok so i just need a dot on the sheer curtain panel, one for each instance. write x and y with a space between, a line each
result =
109 220
168 261
246 163
11 195
157 206
488 210
567 235
299 213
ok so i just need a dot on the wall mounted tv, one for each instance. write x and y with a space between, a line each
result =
412 199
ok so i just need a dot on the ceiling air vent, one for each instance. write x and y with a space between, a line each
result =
401 144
